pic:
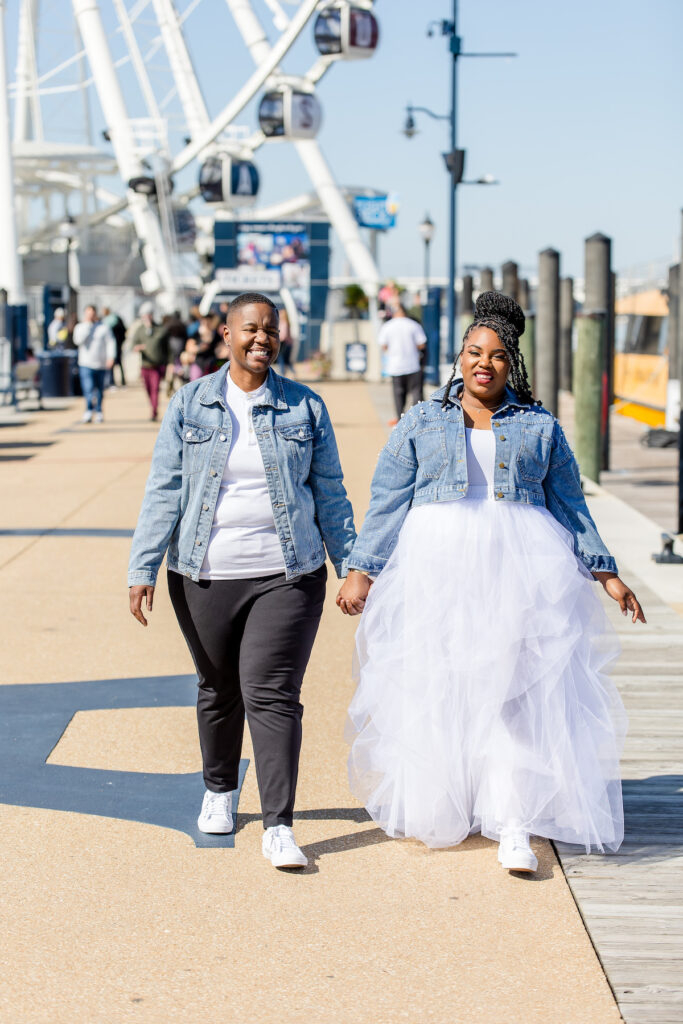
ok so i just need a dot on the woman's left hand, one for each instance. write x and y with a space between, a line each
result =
622 594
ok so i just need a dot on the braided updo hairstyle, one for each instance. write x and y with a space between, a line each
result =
503 315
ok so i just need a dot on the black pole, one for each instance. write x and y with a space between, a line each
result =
452 262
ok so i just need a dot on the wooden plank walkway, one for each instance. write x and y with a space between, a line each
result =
632 902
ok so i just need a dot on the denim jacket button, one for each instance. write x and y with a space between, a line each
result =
188 434
502 437
500 494
223 437
197 543
205 508
214 473
501 465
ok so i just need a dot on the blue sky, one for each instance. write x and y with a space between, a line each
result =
583 128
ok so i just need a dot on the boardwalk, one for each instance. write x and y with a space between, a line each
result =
632 903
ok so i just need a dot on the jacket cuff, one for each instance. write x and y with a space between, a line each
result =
600 563
142 578
368 563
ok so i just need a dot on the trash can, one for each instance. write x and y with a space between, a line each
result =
56 373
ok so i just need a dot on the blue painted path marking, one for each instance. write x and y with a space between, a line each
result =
34 717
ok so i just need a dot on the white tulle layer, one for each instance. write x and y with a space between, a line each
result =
482 700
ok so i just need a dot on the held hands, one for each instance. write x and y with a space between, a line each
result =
353 593
622 594
135 596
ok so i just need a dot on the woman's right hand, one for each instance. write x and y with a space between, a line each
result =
135 596
353 593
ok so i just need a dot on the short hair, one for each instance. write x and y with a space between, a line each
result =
249 299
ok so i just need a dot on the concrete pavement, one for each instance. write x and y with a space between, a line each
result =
110 910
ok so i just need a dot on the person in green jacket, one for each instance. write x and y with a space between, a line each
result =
151 341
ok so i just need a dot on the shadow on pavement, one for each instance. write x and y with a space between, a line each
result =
33 719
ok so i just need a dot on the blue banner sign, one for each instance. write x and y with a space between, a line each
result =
376 212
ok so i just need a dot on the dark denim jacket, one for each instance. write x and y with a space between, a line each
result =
303 473
425 460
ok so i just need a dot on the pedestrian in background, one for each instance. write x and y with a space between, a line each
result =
118 329
200 351
483 704
150 339
244 495
96 354
285 358
177 339
55 326
402 340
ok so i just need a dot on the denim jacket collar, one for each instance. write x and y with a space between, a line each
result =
456 390
215 390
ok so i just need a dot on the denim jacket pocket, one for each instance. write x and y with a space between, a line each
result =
298 444
430 448
195 437
533 456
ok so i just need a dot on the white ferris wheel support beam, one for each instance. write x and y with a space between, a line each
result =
147 226
184 75
249 89
27 110
11 269
138 62
310 154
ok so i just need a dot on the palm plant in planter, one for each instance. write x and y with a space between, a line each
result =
355 301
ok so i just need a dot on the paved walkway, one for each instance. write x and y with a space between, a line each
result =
114 907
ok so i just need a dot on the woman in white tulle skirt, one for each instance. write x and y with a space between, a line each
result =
482 701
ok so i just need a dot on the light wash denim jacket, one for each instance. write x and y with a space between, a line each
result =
425 460
303 474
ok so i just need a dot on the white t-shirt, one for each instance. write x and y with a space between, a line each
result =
243 541
96 345
401 335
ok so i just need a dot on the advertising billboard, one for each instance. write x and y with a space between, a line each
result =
274 257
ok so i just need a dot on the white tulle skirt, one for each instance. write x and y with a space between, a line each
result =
482 700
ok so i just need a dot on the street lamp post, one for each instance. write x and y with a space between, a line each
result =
455 158
67 231
427 229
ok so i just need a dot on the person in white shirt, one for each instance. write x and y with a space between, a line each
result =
403 341
96 354
244 494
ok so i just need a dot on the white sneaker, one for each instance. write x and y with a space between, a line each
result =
86 417
280 847
216 814
514 852
99 418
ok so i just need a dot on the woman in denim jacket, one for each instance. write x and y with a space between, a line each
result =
245 487
482 703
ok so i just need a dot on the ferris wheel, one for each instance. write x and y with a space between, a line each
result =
160 138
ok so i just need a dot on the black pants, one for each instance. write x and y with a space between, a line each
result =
407 385
250 641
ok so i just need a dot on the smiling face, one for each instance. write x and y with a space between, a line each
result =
253 334
485 365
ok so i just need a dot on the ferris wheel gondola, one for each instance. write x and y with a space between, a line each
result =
346 30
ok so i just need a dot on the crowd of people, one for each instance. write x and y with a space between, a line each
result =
172 351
